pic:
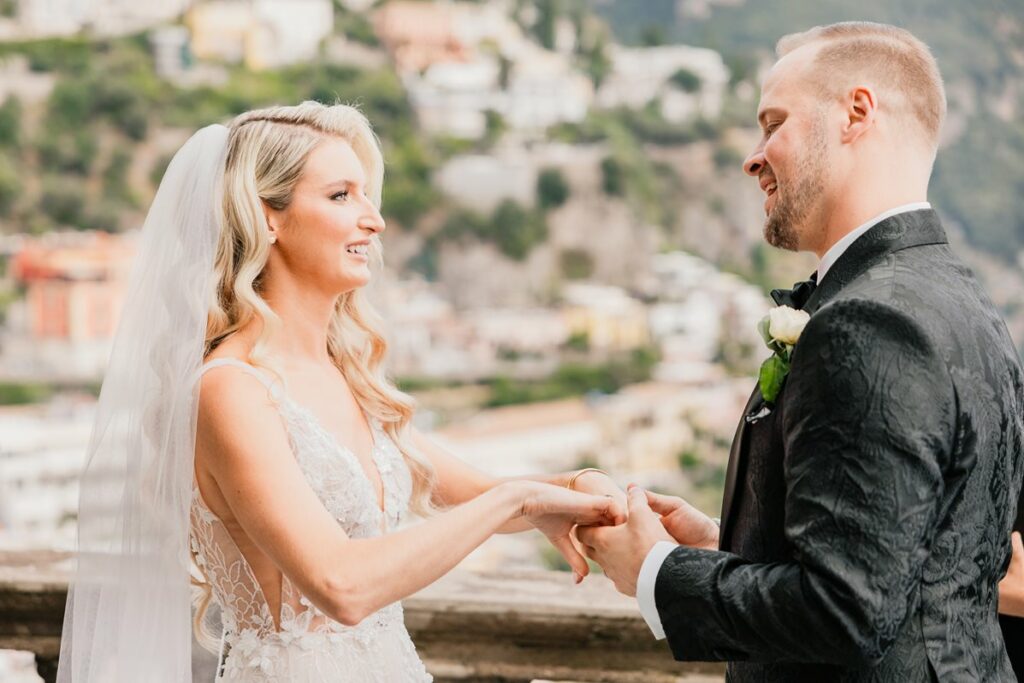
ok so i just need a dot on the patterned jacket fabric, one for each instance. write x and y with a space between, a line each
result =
867 515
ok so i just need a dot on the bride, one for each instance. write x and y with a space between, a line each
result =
246 432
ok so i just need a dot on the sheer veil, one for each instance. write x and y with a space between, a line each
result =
128 614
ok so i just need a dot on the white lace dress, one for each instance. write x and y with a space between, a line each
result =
309 646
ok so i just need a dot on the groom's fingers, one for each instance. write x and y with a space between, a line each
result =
636 497
663 505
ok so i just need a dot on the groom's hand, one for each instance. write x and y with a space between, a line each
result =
621 550
685 523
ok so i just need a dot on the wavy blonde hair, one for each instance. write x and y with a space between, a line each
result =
267 150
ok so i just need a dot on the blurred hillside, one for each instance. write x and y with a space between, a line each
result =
574 260
978 181
530 144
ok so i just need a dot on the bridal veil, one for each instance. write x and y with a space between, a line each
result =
128 614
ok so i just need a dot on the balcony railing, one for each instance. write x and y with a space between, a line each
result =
469 628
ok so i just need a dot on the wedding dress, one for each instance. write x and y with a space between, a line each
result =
308 646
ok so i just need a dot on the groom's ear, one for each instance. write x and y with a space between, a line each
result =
860 109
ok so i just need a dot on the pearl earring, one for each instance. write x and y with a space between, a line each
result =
273 238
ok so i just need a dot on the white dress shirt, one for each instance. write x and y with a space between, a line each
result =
837 249
661 550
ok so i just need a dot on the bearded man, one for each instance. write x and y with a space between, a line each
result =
874 476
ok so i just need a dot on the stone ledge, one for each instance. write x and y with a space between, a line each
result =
470 628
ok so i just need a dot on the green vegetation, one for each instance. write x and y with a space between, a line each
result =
514 230
595 60
354 26
10 123
653 35
649 187
686 80
10 184
544 27
979 184
611 177
66 56
578 341
727 158
13 393
577 264
64 200
108 97
8 295
689 460
573 379
552 189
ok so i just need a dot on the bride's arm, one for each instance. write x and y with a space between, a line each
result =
242 443
459 482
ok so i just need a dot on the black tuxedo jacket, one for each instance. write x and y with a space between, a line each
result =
1013 627
867 516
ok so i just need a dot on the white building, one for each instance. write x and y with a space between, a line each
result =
426 339
171 52
42 452
642 74
482 181
453 97
41 18
264 34
610 318
545 89
645 427
539 331
700 309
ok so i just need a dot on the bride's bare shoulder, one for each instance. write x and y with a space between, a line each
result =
229 393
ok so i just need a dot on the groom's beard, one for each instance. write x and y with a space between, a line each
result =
797 198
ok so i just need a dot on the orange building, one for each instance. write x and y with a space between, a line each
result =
419 34
75 284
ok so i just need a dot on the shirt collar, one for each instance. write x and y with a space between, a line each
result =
837 249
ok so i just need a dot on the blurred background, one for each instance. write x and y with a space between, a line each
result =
574 262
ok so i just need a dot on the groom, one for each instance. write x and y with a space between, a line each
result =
868 507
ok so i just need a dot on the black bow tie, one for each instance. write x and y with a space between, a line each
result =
798 296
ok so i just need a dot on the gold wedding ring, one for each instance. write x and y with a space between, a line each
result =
573 478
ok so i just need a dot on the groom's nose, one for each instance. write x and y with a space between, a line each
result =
755 162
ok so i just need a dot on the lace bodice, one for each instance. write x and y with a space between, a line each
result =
308 644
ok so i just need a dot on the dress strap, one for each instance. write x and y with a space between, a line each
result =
274 387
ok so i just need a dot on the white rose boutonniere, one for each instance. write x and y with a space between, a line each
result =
780 329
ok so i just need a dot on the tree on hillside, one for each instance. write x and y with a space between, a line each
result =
686 80
10 123
552 189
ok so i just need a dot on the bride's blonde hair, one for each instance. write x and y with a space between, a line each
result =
266 152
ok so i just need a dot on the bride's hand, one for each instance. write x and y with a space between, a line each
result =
598 483
555 510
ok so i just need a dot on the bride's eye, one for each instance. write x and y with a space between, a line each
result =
342 195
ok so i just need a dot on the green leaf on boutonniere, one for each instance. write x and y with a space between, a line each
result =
773 372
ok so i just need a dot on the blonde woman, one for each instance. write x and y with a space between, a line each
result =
247 425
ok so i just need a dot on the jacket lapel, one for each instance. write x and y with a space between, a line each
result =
904 230
910 229
737 456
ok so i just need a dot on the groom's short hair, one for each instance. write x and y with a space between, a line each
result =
891 57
